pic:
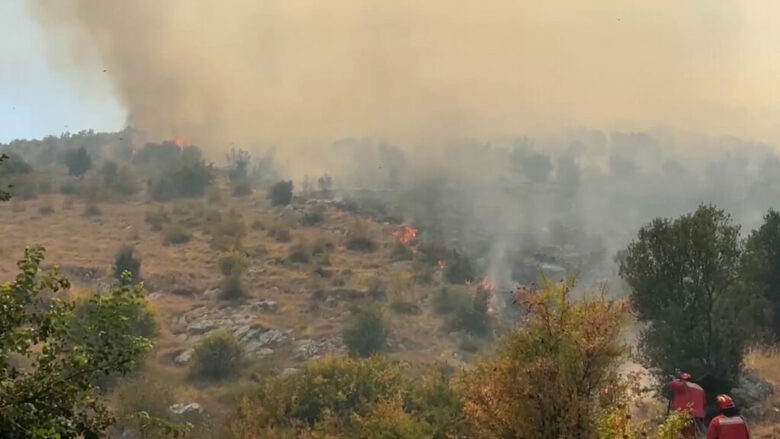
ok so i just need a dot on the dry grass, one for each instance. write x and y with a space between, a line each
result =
767 363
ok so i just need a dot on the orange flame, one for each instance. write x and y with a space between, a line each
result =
179 142
487 284
442 265
406 234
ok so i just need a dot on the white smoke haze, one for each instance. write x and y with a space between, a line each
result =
666 89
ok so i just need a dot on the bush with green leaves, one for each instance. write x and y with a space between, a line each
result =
157 154
471 315
54 396
219 356
232 262
78 161
175 234
13 164
366 332
188 176
760 273
683 274
280 193
450 298
125 260
119 180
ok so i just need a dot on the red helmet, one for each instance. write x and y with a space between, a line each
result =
725 402
685 376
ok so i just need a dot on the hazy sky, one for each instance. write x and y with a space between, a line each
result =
280 70
38 98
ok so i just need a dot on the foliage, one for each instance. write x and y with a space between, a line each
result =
217 357
280 193
188 176
448 299
760 271
313 217
358 238
78 161
119 180
231 287
470 315
226 230
545 380
238 172
125 260
367 331
53 396
156 154
175 234
13 164
683 278
232 262
459 269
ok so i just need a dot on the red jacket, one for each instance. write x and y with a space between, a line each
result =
723 427
688 396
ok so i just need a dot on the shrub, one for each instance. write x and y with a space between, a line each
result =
459 269
141 394
45 209
313 217
125 260
175 234
232 262
157 218
217 357
566 357
404 307
68 187
361 244
242 189
186 177
299 254
401 252
449 299
377 289
280 193
227 231
91 210
280 233
157 154
77 161
119 180
14 164
471 316
366 333
231 287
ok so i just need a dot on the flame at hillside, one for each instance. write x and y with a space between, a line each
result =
406 234
179 143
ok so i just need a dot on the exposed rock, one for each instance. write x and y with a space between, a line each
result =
272 336
270 306
184 357
202 327
306 349
186 410
263 352
155 296
331 301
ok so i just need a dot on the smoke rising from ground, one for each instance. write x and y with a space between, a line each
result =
305 71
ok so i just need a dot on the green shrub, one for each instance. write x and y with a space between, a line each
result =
92 210
280 233
186 177
448 299
78 161
14 164
280 193
366 333
157 218
313 217
471 316
45 209
231 287
157 154
242 189
69 187
217 357
125 260
299 254
459 269
361 244
175 234
232 262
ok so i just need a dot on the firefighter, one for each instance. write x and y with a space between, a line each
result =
688 396
729 424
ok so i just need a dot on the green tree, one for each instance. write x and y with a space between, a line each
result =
78 161
683 277
761 271
280 193
46 371
366 333
547 379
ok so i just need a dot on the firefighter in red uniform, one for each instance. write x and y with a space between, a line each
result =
689 396
729 424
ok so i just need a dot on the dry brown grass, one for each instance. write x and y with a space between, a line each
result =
767 363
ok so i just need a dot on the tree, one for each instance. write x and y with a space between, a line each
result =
77 161
366 334
761 270
547 379
50 394
683 279
280 193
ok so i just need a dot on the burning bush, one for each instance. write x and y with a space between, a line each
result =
280 193
217 357
126 260
366 333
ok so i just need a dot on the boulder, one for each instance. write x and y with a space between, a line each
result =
184 357
186 410
751 389
201 327
306 349
269 306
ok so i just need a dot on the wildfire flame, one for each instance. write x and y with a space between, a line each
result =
179 142
487 284
442 265
406 234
